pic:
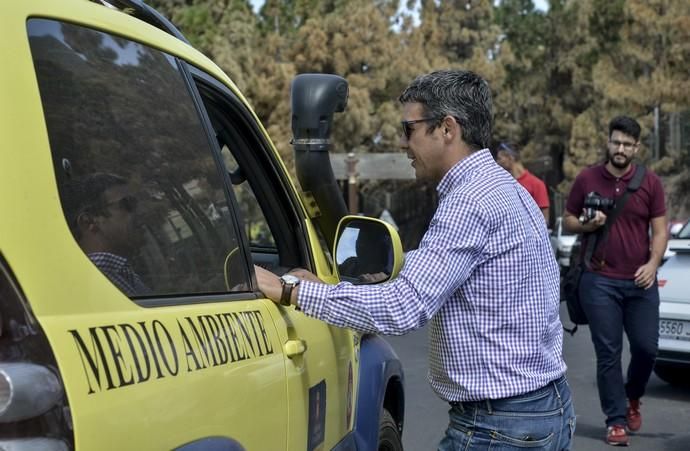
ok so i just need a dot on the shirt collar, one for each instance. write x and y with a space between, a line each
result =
462 168
113 259
627 176
524 175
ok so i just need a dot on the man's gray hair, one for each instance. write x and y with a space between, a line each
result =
462 94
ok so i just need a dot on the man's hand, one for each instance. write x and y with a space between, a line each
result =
597 221
645 275
269 284
373 277
305 275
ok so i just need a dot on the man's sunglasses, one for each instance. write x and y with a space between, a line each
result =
407 130
127 203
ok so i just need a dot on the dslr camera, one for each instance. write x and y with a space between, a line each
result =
593 202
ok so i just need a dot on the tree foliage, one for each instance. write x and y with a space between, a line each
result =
558 76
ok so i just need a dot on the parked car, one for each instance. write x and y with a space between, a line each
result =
562 243
137 191
674 229
673 360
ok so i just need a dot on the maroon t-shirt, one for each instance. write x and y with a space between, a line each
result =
627 245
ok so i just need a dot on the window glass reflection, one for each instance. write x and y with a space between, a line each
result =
122 125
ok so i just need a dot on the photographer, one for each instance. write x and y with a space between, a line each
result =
618 290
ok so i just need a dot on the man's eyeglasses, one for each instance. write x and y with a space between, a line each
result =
627 145
407 130
127 203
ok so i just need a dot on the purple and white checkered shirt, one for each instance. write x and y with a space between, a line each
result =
119 271
486 278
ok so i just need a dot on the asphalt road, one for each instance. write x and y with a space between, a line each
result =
665 409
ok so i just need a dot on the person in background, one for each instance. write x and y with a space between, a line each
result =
509 158
484 276
620 292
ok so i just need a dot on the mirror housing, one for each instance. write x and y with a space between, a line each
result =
367 250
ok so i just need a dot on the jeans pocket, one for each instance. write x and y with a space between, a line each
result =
572 421
501 441
456 439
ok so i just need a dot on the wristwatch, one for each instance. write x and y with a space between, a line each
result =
288 281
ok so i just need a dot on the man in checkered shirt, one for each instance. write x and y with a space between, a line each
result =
484 276
101 214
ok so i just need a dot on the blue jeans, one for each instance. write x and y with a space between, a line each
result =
612 306
542 419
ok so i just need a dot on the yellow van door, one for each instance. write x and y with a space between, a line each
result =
320 380
319 358
159 338
162 378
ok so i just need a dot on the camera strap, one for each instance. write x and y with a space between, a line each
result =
600 236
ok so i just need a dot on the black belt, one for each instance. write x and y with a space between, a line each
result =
488 402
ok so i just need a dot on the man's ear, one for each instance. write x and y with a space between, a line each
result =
87 222
450 127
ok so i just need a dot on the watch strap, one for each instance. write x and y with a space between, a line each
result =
286 293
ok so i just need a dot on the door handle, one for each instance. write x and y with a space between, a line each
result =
295 347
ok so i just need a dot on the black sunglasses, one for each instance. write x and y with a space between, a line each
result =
407 130
127 203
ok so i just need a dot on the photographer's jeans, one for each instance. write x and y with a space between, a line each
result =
612 306
543 419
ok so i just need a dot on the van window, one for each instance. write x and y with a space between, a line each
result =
267 213
255 225
139 184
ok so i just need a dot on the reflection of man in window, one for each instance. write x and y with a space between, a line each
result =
372 261
102 215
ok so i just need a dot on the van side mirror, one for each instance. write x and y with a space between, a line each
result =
367 250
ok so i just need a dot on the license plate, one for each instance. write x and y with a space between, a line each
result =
674 330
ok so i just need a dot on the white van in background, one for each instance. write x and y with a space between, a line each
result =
562 243
673 360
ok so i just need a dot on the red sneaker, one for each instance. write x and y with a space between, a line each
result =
616 435
633 415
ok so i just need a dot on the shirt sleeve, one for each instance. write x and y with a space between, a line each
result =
576 198
541 196
658 203
450 250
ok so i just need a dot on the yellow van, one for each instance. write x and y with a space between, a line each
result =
137 192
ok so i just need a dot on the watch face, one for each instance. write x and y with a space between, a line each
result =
289 278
